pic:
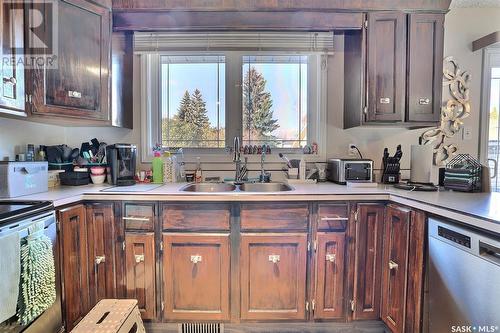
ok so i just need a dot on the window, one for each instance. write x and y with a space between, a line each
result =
274 101
199 91
490 120
192 101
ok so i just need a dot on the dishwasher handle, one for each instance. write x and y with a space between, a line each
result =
489 252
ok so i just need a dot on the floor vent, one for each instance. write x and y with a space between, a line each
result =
201 328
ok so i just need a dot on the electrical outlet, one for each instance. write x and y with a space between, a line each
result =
467 133
351 150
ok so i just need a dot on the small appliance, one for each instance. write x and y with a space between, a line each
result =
342 170
121 159
421 164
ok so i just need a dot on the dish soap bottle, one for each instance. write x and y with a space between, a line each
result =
198 174
157 165
167 168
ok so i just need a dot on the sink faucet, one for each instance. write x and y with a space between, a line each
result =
240 170
264 176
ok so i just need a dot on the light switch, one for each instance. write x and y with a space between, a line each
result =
467 133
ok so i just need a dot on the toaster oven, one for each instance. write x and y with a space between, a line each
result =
342 170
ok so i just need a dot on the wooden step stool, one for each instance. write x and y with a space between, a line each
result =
112 316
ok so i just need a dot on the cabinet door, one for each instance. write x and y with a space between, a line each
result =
368 261
394 267
74 268
386 72
78 86
196 276
102 242
12 95
140 271
329 295
273 276
425 66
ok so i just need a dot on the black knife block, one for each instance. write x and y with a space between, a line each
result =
391 170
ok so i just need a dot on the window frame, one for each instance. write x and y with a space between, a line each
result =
151 100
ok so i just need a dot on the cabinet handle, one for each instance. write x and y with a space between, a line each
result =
196 259
334 218
424 101
74 94
274 258
132 218
392 265
385 100
330 257
100 259
12 80
139 258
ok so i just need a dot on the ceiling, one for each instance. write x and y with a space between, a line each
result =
474 3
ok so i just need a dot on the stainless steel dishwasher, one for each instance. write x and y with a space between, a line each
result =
464 279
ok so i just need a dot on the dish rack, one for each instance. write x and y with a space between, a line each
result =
463 173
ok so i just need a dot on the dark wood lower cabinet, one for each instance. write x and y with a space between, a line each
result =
196 276
273 276
101 245
74 264
394 267
368 261
329 288
140 271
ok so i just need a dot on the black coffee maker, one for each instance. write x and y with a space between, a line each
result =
121 159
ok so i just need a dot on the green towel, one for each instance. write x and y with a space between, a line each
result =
38 279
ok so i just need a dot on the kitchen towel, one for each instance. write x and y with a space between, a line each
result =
10 269
38 278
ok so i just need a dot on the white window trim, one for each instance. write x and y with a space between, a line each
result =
491 58
151 116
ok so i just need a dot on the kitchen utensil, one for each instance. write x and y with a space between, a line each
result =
74 154
66 153
287 161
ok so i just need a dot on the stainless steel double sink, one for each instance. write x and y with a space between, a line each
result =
245 187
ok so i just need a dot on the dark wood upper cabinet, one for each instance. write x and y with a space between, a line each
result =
329 288
273 276
102 239
74 264
12 95
395 267
425 66
368 261
196 276
140 271
79 84
386 66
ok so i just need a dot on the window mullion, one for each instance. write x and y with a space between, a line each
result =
233 96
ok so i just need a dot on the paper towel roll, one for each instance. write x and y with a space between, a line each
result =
421 164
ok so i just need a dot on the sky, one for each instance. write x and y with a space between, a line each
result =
282 83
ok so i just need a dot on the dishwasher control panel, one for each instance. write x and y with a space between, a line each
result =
454 236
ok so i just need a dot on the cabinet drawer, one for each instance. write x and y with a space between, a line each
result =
139 216
200 216
274 216
333 217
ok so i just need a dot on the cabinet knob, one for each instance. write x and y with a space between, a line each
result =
100 259
274 258
330 257
74 94
139 258
385 100
196 259
12 80
392 265
424 101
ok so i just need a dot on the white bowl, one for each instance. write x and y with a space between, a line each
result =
98 179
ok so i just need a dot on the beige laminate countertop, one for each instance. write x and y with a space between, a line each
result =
480 210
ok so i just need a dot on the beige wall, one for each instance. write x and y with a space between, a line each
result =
462 26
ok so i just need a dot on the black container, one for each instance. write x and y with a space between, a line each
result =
74 178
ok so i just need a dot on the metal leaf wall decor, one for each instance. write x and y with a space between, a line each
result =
456 109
